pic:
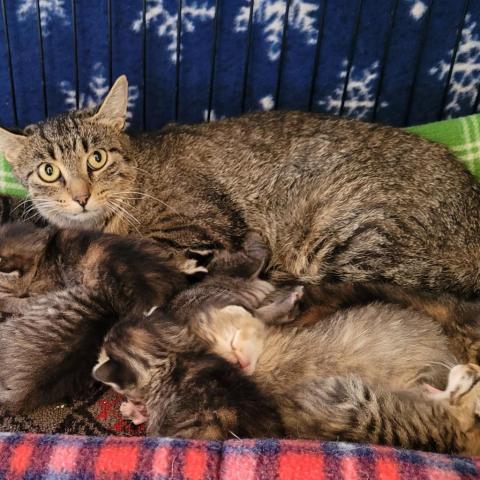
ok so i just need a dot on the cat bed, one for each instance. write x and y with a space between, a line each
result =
460 135
72 457
100 442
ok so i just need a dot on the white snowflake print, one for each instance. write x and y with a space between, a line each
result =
167 21
466 70
213 116
50 10
267 102
360 94
97 90
418 9
271 15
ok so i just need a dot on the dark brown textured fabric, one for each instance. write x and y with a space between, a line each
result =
96 414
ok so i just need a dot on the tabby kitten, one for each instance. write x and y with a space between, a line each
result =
321 381
334 198
65 289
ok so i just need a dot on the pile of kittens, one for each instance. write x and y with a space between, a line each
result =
204 347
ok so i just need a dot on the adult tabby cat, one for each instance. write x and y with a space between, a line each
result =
334 198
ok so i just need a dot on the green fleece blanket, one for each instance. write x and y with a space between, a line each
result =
460 135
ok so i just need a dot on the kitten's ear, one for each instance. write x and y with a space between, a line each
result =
114 374
11 144
113 110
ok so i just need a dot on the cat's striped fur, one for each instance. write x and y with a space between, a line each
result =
334 198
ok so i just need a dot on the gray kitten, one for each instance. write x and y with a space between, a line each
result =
64 289
335 199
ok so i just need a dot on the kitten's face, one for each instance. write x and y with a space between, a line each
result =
21 246
73 165
132 351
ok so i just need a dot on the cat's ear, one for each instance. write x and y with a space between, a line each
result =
113 110
11 144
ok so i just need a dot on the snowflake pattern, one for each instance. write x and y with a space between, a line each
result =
271 13
50 10
97 89
418 9
360 94
167 21
265 103
466 70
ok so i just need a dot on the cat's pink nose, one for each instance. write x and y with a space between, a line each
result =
82 199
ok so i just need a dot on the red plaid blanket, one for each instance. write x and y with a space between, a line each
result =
60 457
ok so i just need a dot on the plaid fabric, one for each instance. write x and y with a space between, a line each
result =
60 457
461 136
8 184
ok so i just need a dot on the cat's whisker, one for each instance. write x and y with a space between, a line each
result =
146 195
125 211
21 204
446 365
118 212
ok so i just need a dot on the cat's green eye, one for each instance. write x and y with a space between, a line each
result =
97 159
49 172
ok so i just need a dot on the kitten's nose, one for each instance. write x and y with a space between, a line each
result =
82 199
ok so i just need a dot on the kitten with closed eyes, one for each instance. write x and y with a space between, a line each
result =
345 376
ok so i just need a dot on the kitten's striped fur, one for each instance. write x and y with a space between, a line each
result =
355 374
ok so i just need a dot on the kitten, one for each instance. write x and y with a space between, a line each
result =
333 197
323 381
64 289
74 285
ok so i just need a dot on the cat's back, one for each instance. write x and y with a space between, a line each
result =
266 160
286 137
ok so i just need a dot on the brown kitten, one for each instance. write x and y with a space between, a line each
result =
334 198
459 318
65 288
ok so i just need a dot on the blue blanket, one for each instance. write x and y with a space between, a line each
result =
393 61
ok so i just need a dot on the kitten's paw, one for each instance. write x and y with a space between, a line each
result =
191 267
131 412
463 379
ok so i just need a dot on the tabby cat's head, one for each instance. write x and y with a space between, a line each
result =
74 165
